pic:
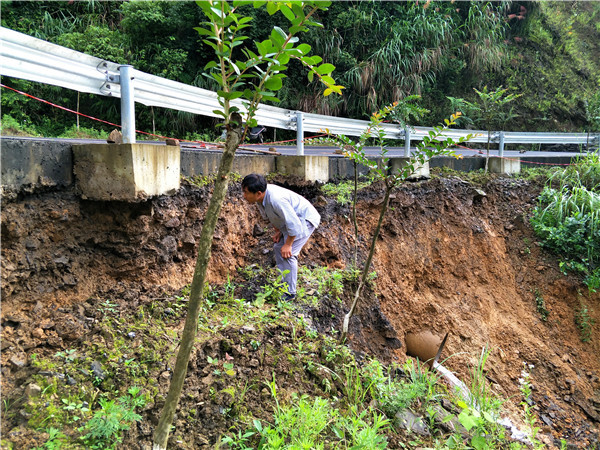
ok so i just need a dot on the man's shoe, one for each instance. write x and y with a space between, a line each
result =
288 297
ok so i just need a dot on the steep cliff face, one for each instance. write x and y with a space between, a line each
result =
451 258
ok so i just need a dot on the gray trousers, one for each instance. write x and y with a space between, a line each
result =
291 264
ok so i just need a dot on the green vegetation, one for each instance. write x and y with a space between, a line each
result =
343 190
584 322
567 219
114 416
384 51
252 73
527 404
312 391
540 305
561 41
488 110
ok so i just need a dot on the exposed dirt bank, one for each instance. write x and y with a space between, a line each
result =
451 258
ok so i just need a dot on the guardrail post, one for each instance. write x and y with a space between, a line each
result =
127 104
299 133
407 142
501 144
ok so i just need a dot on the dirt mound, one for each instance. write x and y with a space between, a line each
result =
452 257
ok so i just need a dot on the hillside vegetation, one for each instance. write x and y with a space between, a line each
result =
548 52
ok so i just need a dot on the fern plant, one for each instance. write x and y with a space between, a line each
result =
114 416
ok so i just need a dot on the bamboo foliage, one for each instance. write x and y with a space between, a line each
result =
485 48
406 53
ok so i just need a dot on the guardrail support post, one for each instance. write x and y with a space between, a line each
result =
299 133
127 104
501 144
407 142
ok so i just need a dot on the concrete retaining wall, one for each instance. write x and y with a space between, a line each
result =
206 163
30 164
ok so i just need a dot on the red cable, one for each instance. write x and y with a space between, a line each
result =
85 115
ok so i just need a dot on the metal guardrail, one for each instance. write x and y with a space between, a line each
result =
26 57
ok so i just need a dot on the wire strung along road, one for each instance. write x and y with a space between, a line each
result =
399 151
321 150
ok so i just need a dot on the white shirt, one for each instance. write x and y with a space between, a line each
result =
288 211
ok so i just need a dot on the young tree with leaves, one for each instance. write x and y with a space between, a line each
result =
250 76
435 144
489 111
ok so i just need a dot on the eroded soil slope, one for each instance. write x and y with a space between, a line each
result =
452 258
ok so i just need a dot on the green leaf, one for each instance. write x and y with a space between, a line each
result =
272 7
325 68
283 59
262 49
479 442
273 83
304 48
204 31
282 33
277 39
210 65
287 12
461 404
217 12
327 80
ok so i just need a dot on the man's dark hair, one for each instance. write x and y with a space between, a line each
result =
254 183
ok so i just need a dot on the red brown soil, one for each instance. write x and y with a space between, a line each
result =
449 259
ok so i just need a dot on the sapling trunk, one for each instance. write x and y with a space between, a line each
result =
354 200
161 434
365 273
487 156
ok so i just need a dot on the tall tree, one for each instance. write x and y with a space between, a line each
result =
250 75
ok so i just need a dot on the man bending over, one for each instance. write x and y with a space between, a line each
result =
293 218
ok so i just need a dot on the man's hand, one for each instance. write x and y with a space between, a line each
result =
286 251
277 236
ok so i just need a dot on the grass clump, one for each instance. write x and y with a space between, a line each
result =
343 190
567 219
541 305
584 322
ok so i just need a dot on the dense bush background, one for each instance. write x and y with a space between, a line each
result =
383 51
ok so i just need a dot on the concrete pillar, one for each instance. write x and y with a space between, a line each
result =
504 165
126 172
421 171
308 167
